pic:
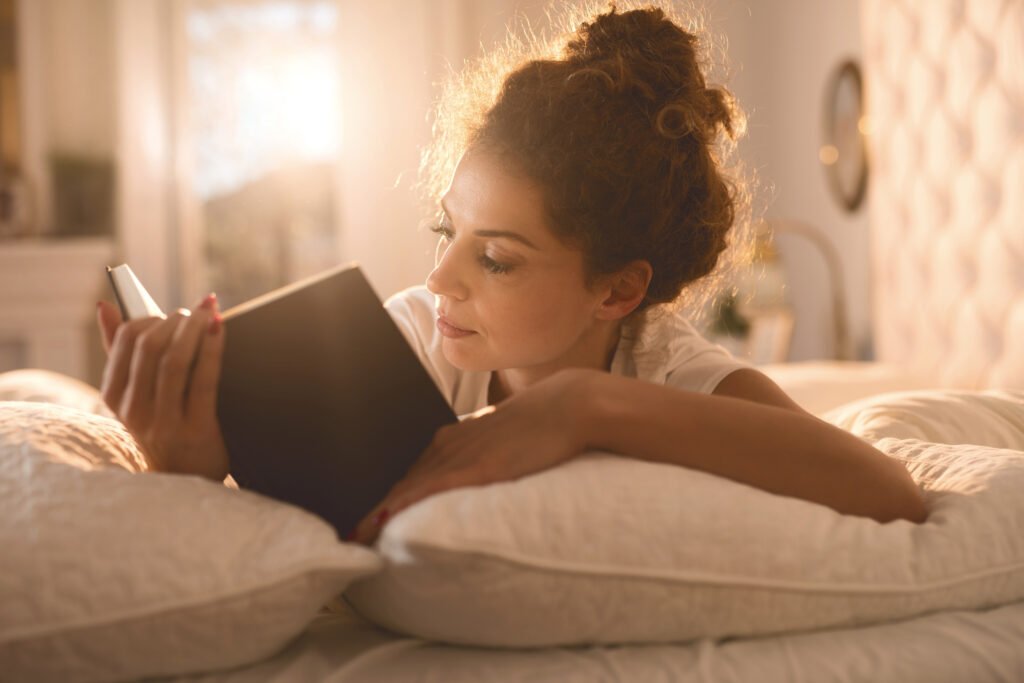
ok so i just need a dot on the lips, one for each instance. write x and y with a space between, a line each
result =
452 324
450 329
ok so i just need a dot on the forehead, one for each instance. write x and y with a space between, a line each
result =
486 193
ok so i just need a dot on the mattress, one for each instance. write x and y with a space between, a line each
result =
958 647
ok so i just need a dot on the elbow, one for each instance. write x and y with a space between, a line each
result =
911 510
906 502
915 509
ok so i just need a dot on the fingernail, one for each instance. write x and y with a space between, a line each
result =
208 301
380 518
215 324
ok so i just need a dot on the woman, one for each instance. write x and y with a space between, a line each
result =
589 193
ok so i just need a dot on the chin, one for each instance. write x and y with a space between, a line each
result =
465 359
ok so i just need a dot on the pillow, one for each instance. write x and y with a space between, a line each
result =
46 386
606 549
988 418
109 575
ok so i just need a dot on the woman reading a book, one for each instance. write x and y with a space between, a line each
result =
575 208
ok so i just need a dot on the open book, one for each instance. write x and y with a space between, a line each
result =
321 401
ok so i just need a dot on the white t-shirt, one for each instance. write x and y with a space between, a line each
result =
668 351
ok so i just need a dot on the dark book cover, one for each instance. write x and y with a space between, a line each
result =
321 400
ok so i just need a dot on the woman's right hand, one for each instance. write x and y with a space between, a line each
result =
161 380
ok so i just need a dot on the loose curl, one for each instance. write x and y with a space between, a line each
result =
616 124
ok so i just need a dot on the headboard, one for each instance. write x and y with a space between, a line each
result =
945 97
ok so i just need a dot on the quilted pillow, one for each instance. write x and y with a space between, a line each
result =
612 550
109 575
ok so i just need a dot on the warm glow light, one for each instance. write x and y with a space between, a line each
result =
828 154
264 89
289 107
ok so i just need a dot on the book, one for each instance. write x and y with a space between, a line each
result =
132 298
322 402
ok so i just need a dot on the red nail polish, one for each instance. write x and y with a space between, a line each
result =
208 301
215 324
380 518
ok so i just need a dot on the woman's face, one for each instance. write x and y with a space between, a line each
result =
509 293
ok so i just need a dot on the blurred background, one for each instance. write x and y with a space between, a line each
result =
238 145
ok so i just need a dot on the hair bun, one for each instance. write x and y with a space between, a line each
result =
644 54
613 34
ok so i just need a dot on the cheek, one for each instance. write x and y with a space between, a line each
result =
543 317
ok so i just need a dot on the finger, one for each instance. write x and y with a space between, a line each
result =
367 529
116 371
108 317
173 374
371 526
434 454
364 531
140 394
440 484
202 393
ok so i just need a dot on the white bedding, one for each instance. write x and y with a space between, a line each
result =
954 646
949 647
974 646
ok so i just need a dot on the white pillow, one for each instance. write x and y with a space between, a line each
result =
987 418
109 575
611 550
46 386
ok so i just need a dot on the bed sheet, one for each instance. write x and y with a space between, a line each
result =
955 647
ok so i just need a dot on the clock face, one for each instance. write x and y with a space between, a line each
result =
844 150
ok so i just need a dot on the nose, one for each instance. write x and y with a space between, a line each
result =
446 279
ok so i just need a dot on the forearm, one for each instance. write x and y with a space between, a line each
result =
770 448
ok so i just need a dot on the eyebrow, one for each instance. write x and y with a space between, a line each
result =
508 234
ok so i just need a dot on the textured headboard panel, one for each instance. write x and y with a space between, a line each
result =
945 96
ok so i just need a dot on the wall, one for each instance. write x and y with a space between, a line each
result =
784 52
385 128
779 56
781 52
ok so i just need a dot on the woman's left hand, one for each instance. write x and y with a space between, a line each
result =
532 431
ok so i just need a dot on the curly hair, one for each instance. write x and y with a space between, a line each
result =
629 145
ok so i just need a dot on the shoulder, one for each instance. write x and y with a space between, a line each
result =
413 304
753 385
414 311
669 349
414 314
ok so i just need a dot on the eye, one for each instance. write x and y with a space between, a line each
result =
443 230
493 266
445 236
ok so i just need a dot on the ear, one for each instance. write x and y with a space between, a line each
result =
625 288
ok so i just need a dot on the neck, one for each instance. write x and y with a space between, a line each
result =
594 350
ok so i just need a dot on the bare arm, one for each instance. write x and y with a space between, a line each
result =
756 436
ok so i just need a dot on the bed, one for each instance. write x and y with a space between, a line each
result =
948 307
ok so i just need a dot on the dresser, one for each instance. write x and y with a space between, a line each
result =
48 293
